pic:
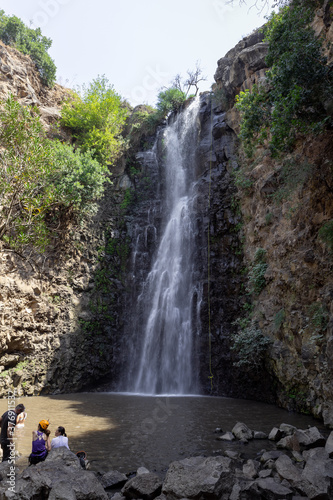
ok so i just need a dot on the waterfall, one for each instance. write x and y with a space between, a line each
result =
168 301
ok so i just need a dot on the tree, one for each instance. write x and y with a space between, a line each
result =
44 184
194 77
26 165
96 116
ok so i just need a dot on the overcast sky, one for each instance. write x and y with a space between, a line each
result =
140 45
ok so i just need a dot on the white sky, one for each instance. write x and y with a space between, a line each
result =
140 45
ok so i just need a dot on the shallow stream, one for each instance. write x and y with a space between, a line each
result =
123 432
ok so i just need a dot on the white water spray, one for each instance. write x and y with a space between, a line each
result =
166 363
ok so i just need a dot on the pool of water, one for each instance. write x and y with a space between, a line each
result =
124 431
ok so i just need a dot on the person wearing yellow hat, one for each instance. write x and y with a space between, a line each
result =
41 444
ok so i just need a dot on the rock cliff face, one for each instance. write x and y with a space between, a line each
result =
62 323
18 76
283 217
58 314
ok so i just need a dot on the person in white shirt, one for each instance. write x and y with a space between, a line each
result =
61 438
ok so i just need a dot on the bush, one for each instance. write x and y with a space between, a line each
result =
256 276
250 345
26 164
326 234
44 184
31 42
80 179
170 100
96 116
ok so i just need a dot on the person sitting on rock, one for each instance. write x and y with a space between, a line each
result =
41 444
20 419
61 438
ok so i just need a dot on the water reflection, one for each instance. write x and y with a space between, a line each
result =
127 431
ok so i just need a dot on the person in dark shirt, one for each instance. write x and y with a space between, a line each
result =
8 422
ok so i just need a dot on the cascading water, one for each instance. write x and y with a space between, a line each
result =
168 303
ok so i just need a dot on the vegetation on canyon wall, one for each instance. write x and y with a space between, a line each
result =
298 89
285 161
29 41
44 184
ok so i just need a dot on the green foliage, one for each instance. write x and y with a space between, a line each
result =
79 179
242 181
220 98
250 345
96 116
318 317
256 276
293 173
26 166
255 117
326 234
170 100
298 84
269 218
43 184
279 319
29 41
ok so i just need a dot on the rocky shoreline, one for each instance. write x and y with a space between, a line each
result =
300 466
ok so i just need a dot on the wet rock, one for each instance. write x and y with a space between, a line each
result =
275 434
146 486
195 477
317 474
270 455
289 443
259 435
310 438
287 429
228 436
251 468
142 470
242 432
113 479
287 470
271 489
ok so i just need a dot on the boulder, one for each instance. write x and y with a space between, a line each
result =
289 443
146 486
113 479
287 470
287 429
275 434
271 489
270 455
259 435
251 468
60 477
228 436
318 471
242 432
310 438
195 477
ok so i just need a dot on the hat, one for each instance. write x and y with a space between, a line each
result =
44 424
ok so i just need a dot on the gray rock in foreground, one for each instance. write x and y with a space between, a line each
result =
60 477
194 477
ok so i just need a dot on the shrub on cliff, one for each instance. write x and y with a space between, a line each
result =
299 83
250 346
96 116
29 41
43 184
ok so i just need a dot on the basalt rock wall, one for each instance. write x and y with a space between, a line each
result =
294 309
